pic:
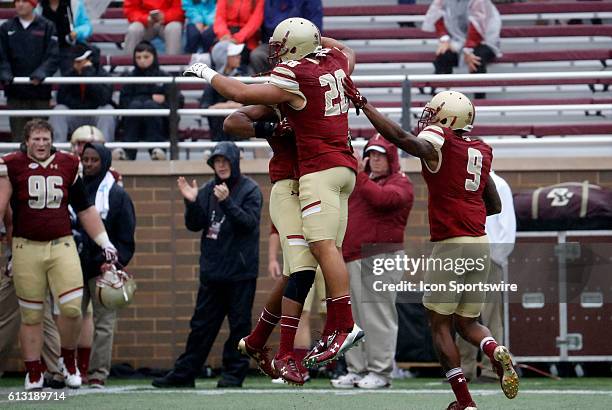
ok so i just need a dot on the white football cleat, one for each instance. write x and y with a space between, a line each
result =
195 70
72 380
37 385
347 381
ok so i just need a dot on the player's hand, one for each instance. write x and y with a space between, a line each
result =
283 128
110 254
472 61
353 94
195 70
274 269
221 192
443 47
189 192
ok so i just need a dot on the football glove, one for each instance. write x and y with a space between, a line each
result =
110 254
353 94
200 70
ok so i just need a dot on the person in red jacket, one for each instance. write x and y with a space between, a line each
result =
153 18
378 213
237 22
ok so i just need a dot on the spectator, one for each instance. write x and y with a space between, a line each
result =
28 48
378 213
71 23
501 230
145 96
200 16
237 22
468 27
84 97
212 99
117 212
227 211
276 11
154 18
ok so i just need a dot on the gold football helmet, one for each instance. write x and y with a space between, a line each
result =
448 109
294 38
87 133
115 288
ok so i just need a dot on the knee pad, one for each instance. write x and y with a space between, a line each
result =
299 285
71 308
30 316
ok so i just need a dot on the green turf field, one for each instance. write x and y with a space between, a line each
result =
259 393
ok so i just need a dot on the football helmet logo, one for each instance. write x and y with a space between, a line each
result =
115 288
294 38
448 109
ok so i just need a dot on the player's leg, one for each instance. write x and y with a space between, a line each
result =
31 287
442 335
324 200
66 283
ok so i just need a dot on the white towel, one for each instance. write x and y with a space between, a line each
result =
103 193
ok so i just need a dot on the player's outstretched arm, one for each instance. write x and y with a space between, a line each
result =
390 129
247 94
241 122
491 197
328 42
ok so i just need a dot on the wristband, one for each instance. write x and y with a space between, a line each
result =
103 240
264 129
208 74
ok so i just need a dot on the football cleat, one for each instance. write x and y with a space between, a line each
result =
34 383
373 381
508 378
337 344
456 406
72 380
288 370
318 348
260 356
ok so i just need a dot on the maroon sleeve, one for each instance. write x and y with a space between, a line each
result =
397 192
473 37
441 28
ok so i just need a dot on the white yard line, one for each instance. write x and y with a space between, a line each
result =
139 389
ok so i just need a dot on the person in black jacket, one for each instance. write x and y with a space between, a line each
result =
227 211
28 48
117 212
145 96
85 63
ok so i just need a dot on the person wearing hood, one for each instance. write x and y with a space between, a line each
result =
85 63
117 212
145 96
378 212
227 210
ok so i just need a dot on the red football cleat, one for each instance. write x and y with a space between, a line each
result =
456 406
318 348
337 344
288 370
508 378
260 356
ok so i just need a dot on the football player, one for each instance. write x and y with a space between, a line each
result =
306 82
456 169
40 182
287 298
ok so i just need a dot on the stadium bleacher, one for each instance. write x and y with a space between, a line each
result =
535 37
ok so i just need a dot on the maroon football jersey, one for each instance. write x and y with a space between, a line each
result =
283 164
456 207
40 194
321 124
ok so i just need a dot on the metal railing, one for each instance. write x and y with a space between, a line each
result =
174 112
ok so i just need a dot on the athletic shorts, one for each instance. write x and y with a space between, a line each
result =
444 299
324 201
286 217
38 266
